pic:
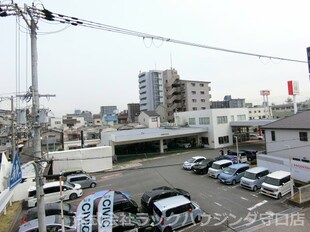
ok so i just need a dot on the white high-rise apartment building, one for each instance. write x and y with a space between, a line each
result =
151 90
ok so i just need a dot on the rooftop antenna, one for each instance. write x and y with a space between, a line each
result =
170 60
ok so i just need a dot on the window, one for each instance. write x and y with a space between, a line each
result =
303 136
193 92
193 84
204 121
273 136
194 108
202 92
194 100
221 119
241 117
232 118
192 121
201 85
203 100
223 139
203 108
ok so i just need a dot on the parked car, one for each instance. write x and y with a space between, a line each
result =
250 154
124 221
53 223
85 180
233 156
122 202
188 164
149 197
175 212
52 192
184 144
254 177
68 172
256 137
218 166
203 166
50 209
233 173
277 184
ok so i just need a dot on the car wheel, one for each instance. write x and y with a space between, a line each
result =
279 196
233 182
254 188
73 196
197 219
168 229
93 185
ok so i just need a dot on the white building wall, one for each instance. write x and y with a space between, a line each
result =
56 123
260 113
215 130
287 143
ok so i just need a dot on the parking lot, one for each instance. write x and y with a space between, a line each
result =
225 207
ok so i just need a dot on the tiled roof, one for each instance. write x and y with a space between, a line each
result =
297 121
151 113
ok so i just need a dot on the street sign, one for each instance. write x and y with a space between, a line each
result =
16 172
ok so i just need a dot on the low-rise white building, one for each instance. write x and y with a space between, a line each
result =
216 120
150 119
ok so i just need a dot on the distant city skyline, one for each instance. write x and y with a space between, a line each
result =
87 68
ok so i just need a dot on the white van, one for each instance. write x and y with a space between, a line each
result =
52 192
277 184
217 167
175 212
253 178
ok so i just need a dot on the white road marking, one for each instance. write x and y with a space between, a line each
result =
257 205
243 198
254 195
218 204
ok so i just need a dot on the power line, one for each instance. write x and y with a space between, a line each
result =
50 16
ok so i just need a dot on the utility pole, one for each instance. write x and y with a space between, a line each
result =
13 129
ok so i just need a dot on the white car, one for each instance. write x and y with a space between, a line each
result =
256 137
188 164
184 144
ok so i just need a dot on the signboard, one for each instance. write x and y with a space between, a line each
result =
16 172
105 212
308 55
84 214
293 87
265 92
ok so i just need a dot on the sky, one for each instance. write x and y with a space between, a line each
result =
87 68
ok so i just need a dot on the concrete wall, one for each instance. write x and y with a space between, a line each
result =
89 159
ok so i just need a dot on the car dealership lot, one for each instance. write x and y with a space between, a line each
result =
225 207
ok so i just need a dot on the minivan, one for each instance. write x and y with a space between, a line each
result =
233 173
52 192
217 167
175 212
85 180
277 184
253 178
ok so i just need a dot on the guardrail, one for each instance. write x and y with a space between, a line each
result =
5 198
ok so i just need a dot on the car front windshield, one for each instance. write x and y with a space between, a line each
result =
229 171
250 175
70 185
272 181
216 166
191 160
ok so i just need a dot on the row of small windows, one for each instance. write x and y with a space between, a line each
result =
220 119
195 108
200 84
303 136
201 100
201 92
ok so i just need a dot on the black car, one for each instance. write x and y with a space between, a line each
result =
50 209
203 166
251 154
122 202
149 197
124 221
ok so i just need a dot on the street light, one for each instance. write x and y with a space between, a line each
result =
236 138
290 163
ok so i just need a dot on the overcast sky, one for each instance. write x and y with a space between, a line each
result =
88 68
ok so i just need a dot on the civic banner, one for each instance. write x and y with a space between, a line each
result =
84 214
105 212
